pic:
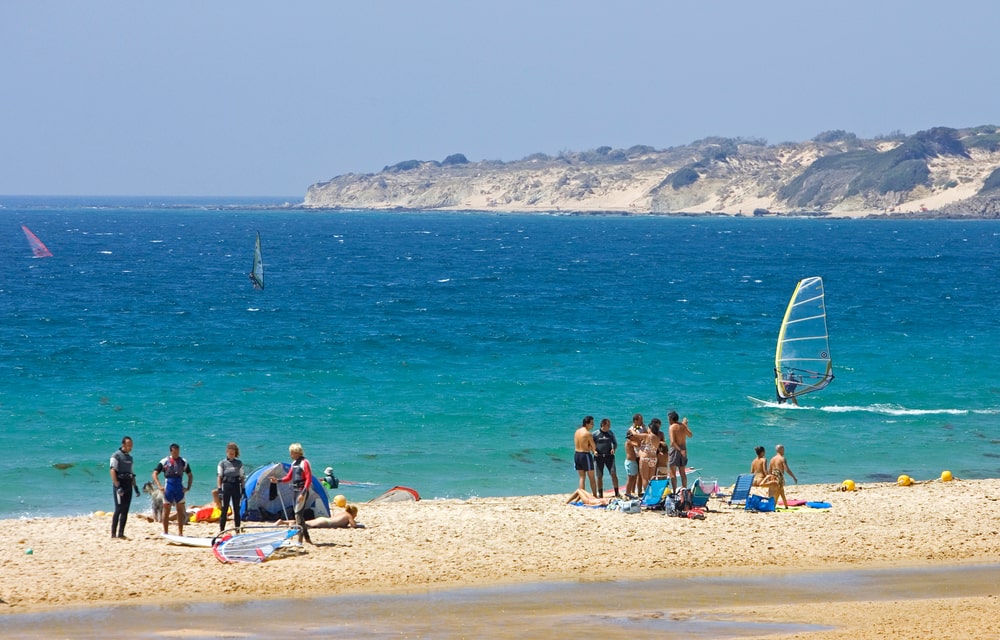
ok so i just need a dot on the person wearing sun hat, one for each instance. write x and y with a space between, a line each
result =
329 480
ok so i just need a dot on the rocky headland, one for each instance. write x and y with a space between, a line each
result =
941 172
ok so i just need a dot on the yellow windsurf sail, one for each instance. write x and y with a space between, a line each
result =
802 362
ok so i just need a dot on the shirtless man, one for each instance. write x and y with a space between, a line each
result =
583 460
632 437
678 455
778 468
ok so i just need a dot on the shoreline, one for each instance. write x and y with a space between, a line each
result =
438 545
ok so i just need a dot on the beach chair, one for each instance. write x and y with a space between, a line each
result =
653 497
699 497
741 490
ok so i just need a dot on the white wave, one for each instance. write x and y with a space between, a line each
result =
892 410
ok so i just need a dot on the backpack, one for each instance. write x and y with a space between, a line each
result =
682 499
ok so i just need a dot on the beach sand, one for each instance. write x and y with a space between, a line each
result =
537 545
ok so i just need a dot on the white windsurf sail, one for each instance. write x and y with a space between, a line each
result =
802 362
257 271
252 547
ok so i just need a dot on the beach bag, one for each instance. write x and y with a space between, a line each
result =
760 503
631 506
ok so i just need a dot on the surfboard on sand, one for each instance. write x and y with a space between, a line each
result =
187 541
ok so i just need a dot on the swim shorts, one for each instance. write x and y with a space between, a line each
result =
678 457
173 492
583 461
632 467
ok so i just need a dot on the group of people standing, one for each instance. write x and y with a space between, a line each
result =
649 452
230 486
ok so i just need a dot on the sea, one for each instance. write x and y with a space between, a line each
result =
456 353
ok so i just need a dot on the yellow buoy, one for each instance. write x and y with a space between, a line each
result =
848 485
904 480
946 476
340 501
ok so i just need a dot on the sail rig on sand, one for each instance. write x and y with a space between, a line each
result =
257 271
802 362
252 547
37 247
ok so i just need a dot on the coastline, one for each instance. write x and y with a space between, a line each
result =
430 546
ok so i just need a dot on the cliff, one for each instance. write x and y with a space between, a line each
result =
939 172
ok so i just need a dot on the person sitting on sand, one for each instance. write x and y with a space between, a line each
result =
761 477
587 499
341 520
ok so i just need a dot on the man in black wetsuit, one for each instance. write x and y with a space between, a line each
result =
606 444
124 482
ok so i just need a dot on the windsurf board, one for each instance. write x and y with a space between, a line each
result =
187 541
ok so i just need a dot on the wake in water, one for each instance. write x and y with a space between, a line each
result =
879 409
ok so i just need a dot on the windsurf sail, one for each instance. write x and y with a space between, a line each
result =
802 361
37 247
252 547
397 494
257 272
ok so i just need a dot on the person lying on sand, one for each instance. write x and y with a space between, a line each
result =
338 520
588 499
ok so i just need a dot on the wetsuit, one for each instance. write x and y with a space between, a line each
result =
300 475
121 462
173 470
230 490
605 442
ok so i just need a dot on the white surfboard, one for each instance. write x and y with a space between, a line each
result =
187 541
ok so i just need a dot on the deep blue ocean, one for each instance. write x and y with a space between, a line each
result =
456 353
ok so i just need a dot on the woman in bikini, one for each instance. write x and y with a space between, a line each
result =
649 447
761 476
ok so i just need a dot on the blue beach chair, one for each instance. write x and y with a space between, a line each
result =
741 490
699 497
653 497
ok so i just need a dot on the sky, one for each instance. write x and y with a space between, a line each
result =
257 98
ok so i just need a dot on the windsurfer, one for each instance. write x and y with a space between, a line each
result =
123 478
173 468
606 443
791 384
230 481
300 475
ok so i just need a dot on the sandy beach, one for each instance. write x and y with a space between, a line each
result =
436 545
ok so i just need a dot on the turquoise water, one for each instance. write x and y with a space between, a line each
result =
456 353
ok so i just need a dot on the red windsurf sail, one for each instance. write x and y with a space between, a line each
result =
37 247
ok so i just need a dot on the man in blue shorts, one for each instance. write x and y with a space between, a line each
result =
583 460
173 468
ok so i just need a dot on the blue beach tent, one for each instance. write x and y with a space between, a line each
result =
260 506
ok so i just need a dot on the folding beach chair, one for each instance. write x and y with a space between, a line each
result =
699 497
741 490
655 492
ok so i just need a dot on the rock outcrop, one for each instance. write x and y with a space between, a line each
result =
941 172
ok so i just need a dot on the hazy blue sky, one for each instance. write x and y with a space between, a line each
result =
265 98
